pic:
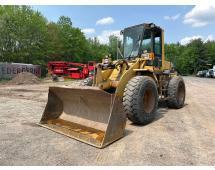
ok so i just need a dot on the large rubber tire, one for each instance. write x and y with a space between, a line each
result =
176 92
140 100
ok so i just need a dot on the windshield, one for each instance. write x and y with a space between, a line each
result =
132 39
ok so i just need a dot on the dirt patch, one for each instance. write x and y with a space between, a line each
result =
176 137
24 78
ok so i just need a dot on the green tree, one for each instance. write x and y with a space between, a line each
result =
197 54
96 50
113 45
73 41
210 48
22 34
192 57
54 48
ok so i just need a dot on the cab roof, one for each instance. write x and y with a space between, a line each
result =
146 26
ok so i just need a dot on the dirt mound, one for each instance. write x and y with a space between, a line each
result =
24 78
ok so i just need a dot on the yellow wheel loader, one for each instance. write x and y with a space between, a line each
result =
124 88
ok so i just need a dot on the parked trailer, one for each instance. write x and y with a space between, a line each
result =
70 69
57 67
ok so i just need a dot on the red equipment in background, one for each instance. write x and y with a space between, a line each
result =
71 69
91 65
77 70
57 67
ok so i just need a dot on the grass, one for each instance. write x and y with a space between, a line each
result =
2 80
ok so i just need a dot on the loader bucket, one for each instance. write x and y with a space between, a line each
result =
87 114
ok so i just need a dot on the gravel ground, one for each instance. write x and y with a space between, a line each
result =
176 137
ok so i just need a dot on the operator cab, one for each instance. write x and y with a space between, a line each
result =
143 39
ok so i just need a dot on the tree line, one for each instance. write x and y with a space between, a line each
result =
192 57
26 36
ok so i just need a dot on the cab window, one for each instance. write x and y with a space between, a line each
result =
146 43
158 45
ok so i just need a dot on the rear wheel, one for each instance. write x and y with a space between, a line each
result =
176 92
140 99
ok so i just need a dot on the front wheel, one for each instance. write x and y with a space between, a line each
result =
140 100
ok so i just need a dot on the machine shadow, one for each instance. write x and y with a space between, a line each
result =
127 132
162 110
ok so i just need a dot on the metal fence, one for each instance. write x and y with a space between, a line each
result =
10 70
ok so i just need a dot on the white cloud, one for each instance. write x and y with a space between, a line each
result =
88 31
187 40
105 21
210 38
201 15
104 36
172 18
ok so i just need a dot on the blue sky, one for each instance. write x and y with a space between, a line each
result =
181 23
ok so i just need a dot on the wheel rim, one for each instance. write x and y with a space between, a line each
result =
181 93
148 101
